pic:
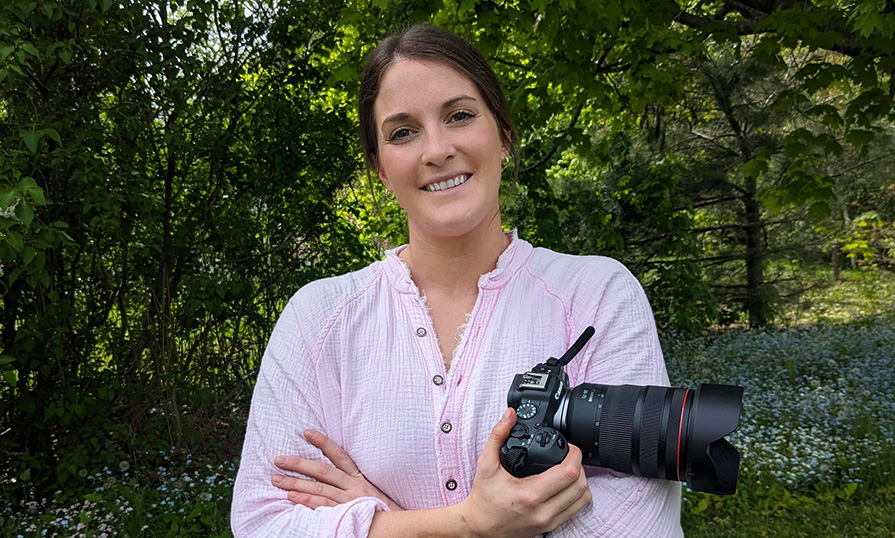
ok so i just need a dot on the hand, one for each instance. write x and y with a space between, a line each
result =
334 485
502 505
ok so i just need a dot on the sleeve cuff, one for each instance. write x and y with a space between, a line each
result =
353 519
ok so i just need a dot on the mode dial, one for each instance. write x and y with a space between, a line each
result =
526 410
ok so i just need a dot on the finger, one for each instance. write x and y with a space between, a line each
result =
334 452
311 501
499 434
310 488
573 503
322 472
559 477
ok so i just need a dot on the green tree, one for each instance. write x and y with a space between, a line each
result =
172 174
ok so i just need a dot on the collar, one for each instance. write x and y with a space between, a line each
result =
509 262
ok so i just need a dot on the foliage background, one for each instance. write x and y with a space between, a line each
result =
171 172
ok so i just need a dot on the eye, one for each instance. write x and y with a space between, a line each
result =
399 134
462 115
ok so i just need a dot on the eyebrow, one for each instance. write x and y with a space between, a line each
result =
402 116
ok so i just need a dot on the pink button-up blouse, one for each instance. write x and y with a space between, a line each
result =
355 356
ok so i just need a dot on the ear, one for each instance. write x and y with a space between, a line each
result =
382 177
374 162
503 144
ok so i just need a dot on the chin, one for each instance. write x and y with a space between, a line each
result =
454 229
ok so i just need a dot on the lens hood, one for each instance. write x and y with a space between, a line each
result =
713 463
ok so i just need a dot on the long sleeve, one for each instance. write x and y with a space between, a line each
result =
624 350
286 402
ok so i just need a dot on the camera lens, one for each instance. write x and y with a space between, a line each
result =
657 432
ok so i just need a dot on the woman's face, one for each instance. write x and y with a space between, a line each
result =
440 149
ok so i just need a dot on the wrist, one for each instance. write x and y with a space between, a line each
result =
425 522
466 527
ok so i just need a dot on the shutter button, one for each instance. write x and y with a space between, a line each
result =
451 484
421 332
446 427
438 380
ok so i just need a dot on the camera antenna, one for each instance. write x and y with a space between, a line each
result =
576 347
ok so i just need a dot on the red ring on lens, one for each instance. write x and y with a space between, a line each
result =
679 430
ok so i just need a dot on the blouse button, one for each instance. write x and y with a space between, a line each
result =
451 484
446 427
438 380
421 332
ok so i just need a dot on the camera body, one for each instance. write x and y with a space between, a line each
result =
651 431
536 442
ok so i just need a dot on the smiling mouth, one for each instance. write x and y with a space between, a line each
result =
449 184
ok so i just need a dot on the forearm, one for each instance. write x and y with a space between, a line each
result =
444 522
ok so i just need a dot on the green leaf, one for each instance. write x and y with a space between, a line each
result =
31 139
44 278
819 210
54 134
25 213
30 49
37 196
859 137
7 199
12 377
343 73
5 51
28 185
6 359
28 254
14 239
15 275
65 56
755 167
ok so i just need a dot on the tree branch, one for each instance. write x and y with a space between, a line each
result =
553 150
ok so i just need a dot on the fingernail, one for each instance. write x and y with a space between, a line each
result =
279 460
506 415
277 479
310 434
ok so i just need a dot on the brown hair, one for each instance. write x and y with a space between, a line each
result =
430 43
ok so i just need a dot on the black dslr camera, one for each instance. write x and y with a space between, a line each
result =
656 432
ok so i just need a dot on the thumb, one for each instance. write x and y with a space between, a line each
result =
498 436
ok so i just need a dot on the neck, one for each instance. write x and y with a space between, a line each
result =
452 266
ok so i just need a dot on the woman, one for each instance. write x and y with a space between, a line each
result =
395 375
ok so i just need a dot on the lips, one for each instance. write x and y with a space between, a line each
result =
447 183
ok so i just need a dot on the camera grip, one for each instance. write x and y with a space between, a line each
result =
531 449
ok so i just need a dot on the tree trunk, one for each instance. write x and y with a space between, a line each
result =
836 261
756 301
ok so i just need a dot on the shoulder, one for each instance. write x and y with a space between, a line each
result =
573 277
316 305
320 299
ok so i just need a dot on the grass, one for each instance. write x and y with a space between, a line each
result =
816 434
863 514
859 293
176 498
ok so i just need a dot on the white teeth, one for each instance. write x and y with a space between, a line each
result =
447 184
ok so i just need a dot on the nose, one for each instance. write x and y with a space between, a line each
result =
438 147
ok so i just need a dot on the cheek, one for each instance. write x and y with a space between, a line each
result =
394 163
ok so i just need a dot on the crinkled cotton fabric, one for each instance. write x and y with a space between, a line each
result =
356 357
